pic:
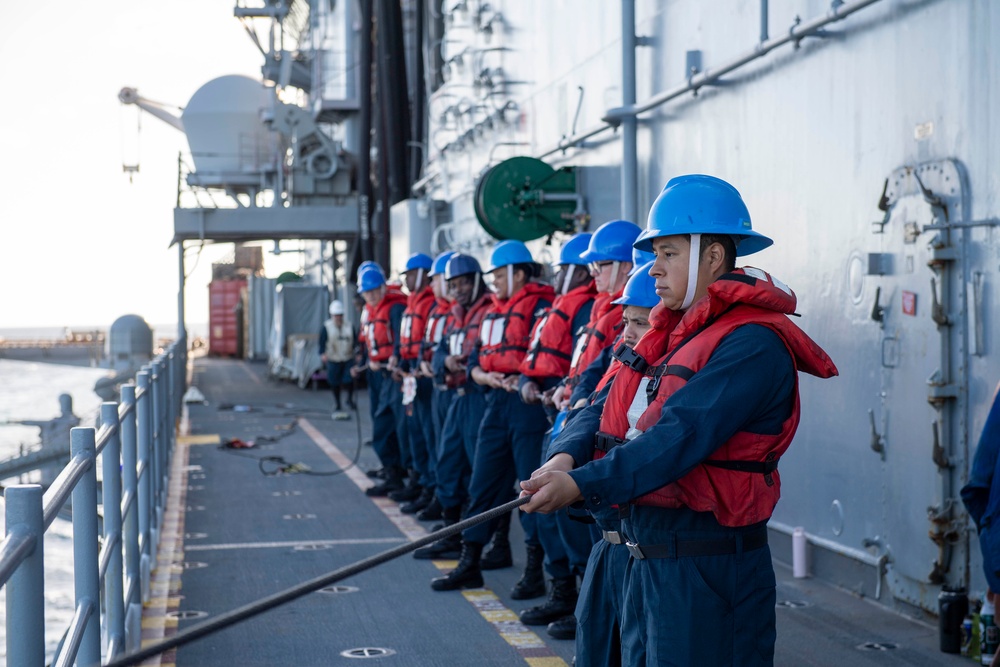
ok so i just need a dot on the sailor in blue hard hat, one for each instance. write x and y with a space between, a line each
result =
460 429
689 435
420 483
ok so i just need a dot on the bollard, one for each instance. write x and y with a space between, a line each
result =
800 562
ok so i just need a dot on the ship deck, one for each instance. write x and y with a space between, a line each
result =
236 531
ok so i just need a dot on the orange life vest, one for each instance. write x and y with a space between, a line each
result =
411 329
551 347
739 484
437 324
602 330
505 328
463 334
378 334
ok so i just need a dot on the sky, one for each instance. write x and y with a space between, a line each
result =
79 244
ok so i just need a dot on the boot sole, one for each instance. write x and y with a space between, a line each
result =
466 584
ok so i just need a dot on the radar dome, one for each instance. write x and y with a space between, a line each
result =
130 342
224 130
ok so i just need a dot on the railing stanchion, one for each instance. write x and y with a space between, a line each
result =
114 594
85 563
26 587
144 430
130 523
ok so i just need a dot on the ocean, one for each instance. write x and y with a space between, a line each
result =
30 390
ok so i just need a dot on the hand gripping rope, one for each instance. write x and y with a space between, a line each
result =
289 594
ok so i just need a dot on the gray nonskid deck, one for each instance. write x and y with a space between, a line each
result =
250 535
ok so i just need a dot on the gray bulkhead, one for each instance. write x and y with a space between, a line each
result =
897 95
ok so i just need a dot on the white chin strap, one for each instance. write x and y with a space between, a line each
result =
475 289
694 260
570 271
615 267
510 280
420 277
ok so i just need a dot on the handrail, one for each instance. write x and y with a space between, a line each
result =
112 568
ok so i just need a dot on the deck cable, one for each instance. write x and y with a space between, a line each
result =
277 599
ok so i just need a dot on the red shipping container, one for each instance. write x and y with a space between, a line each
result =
223 334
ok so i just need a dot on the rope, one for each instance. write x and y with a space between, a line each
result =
289 594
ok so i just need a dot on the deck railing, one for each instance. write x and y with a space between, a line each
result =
135 442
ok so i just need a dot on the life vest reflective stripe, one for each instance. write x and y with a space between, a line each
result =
602 330
504 331
437 323
414 322
549 352
463 333
378 331
740 484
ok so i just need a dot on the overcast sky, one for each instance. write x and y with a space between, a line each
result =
80 245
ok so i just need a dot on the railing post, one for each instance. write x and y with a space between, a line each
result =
145 499
130 521
159 442
114 594
26 587
85 565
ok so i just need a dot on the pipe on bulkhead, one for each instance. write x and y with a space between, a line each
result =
763 21
630 162
365 132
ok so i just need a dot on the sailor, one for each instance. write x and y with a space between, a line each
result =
387 303
460 430
689 433
336 346
510 436
441 397
609 256
599 609
419 488
564 543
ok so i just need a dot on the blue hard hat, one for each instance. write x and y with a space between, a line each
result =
370 278
572 250
640 290
699 204
640 257
418 260
510 252
612 242
461 265
440 262
367 265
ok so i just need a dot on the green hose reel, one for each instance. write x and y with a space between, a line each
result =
525 199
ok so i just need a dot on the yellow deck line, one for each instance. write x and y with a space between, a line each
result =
503 620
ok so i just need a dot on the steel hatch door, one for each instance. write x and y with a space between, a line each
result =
922 376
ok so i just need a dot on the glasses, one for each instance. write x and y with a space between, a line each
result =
597 267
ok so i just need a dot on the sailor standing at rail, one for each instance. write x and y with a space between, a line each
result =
336 348
387 304
609 256
441 396
460 430
416 395
565 547
689 433
510 436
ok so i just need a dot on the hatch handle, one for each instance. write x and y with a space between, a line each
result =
878 310
937 310
938 455
877 440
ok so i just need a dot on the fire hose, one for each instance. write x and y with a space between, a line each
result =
270 602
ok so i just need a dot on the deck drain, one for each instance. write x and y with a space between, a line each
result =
311 547
196 487
877 646
367 652
195 508
793 604
199 475
186 615
195 536
337 590
299 516
286 493
189 565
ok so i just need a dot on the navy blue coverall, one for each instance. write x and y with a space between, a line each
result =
389 422
717 609
982 494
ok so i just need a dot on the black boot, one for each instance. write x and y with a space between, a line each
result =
498 555
447 548
564 628
466 575
392 481
411 491
418 503
432 512
532 582
561 603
